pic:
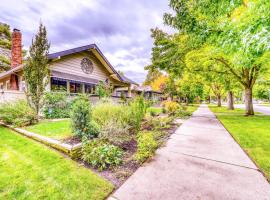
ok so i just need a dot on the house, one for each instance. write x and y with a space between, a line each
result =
135 90
77 70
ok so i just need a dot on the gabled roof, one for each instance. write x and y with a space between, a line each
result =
126 79
81 49
59 54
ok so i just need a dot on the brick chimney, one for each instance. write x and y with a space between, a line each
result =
16 48
16 57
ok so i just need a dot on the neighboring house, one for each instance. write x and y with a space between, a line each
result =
147 92
77 70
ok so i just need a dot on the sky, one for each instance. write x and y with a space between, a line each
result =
121 28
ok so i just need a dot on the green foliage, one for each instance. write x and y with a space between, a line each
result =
17 113
146 146
217 37
262 91
81 118
114 121
101 154
5 44
171 107
5 29
103 90
137 111
56 105
36 72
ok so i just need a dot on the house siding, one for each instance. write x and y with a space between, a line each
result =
72 65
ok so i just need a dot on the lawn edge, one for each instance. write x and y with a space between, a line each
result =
68 149
259 168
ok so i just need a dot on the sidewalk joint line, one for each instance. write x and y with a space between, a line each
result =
215 160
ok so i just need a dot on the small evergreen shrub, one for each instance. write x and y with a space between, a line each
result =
17 113
137 111
147 146
56 105
81 118
101 154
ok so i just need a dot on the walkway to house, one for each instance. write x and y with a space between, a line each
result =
200 161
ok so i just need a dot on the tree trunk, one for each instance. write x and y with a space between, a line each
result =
218 100
230 100
248 101
187 101
209 100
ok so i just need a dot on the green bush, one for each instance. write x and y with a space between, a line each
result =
17 113
113 120
158 123
56 105
81 118
147 145
137 109
101 155
103 90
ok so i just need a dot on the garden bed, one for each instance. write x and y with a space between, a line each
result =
118 175
30 170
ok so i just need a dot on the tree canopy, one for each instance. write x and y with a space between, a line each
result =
217 37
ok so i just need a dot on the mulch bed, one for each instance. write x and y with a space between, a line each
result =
120 174
72 140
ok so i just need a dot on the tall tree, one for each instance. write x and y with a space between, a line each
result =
239 37
36 71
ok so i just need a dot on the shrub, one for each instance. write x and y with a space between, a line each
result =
81 118
146 146
103 90
113 120
171 107
102 155
137 111
17 113
56 105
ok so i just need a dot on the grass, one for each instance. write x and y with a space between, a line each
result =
29 170
53 129
156 110
192 107
252 133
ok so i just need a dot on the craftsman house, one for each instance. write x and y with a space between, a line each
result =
77 70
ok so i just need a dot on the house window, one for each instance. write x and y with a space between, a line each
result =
58 84
90 88
75 87
1 86
8 85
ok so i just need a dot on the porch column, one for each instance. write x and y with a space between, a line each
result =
129 91
68 86
83 88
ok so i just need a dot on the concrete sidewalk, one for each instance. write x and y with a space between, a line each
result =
200 161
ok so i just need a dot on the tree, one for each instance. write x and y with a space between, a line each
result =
159 83
36 72
152 75
237 35
5 46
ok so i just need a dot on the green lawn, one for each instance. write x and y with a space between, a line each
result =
53 129
29 170
156 110
192 107
252 133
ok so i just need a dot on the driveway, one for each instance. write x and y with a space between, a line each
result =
257 108
200 161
